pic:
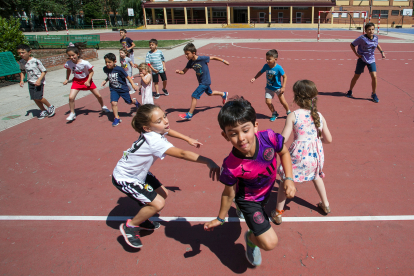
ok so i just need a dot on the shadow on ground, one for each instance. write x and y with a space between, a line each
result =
341 94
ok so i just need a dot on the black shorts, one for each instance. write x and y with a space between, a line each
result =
155 77
36 92
141 193
255 215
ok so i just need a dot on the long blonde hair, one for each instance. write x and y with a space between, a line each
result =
144 66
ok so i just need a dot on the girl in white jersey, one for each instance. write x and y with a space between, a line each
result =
132 177
82 79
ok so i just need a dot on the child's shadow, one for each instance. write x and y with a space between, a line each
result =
341 94
35 112
221 241
185 110
262 116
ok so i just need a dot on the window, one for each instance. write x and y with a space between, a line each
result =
281 8
376 13
219 14
395 12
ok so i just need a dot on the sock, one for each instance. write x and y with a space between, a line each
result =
130 226
191 114
249 242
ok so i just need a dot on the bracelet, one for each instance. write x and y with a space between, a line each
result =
223 61
221 220
289 178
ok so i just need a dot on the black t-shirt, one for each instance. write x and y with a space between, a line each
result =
126 43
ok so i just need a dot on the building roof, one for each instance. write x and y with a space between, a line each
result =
158 4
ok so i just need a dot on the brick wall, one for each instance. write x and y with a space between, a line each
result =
54 59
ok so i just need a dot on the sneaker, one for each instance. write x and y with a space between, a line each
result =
137 104
253 254
374 98
149 225
225 97
157 96
288 112
116 122
105 109
274 116
186 116
131 235
165 92
43 115
349 94
51 110
131 92
71 117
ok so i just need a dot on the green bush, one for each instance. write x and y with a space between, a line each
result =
10 35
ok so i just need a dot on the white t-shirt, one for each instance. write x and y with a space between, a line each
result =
79 70
33 68
136 161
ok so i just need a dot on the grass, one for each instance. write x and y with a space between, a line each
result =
141 43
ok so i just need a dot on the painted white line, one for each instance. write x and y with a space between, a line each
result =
205 219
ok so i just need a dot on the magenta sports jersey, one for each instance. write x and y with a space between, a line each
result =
255 176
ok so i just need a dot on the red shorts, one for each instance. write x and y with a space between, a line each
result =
79 84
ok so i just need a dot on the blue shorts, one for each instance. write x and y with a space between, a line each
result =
124 95
200 90
361 65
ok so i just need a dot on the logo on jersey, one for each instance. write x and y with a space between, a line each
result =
258 217
148 188
268 154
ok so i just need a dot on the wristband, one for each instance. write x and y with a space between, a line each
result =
382 52
221 220
289 178
223 60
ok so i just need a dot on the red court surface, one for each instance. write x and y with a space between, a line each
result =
237 34
50 168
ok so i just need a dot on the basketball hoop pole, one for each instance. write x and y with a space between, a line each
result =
379 20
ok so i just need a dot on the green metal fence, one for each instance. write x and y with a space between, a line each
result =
8 64
61 41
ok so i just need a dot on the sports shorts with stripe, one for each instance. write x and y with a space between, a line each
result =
141 193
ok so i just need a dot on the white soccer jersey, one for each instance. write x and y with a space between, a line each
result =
136 161
79 70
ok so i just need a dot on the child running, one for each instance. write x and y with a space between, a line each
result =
36 80
310 131
127 44
155 59
274 73
146 83
366 44
82 79
200 66
249 174
132 177
117 85
127 64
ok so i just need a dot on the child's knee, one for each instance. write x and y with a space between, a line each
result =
114 103
71 98
269 101
158 203
270 244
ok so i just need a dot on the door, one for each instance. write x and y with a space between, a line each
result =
298 17
280 17
262 17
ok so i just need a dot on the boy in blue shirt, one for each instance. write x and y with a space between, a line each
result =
274 73
200 66
117 78
156 61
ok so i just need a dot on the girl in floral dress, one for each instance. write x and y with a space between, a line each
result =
310 131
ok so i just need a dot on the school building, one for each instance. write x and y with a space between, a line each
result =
183 14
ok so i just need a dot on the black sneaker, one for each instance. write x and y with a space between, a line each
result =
374 98
43 115
131 235
51 111
156 96
349 94
149 225
165 92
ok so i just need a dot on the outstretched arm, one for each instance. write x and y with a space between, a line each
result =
286 161
257 76
189 140
382 52
132 83
182 72
220 59
226 200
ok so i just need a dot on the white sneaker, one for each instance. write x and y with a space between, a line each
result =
43 115
131 92
71 117
105 109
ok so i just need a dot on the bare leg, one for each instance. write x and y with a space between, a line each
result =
354 81
270 105
320 188
283 102
162 191
216 93
42 102
374 81
156 87
72 96
115 109
193 105
266 241
148 211
164 84
281 197
98 96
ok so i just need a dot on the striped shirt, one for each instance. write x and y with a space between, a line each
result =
155 58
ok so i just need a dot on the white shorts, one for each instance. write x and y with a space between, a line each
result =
270 94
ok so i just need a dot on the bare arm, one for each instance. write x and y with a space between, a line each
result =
286 161
382 52
88 81
189 140
145 79
287 130
326 134
132 83
355 52
220 59
21 79
68 71
132 46
163 66
257 76
182 72
282 89
39 80
226 200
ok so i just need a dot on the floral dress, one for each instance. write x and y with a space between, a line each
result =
306 150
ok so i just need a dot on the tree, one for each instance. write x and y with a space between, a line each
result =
93 9
10 35
73 7
131 4
112 6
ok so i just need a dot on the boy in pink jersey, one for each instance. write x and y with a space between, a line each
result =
249 174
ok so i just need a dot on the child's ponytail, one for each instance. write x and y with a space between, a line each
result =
143 117
305 93
76 48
